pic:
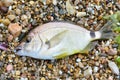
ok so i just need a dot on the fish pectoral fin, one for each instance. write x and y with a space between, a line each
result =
89 47
57 38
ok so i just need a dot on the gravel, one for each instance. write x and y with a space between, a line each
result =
29 14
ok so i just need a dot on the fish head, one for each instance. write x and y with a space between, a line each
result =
30 46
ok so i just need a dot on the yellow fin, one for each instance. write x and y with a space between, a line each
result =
61 56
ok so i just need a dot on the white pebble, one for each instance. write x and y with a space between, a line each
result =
92 57
97 53
96 69
110 78
23 78
1 25
98 7
113 67
107 43
78 60
88 72
10 8
60 72
118 24
81 14
55 2
70 9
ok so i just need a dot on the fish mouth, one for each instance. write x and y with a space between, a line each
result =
17 49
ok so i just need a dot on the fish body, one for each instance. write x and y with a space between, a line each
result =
56 40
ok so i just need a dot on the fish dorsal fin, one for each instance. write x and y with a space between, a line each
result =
56 39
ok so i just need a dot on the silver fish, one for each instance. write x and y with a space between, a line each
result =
56 40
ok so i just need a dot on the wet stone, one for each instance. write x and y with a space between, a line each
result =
1 64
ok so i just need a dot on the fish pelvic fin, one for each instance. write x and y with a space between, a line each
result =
106 31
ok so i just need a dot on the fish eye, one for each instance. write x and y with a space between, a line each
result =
28 39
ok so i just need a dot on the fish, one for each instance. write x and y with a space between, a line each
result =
56 40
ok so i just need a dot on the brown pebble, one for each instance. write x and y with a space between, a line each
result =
48 2
106 49
97 2
15 29
11 17
80 56
7 3
100 17
6 22
10 38
18 11
50 66
1 4
4 9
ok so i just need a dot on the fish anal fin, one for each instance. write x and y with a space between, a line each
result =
62 55
89 47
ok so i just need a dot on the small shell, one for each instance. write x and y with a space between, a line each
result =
113 67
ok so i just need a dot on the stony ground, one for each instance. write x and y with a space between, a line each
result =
19 16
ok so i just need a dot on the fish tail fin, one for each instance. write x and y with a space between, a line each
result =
106 31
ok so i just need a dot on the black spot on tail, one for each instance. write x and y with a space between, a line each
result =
92 34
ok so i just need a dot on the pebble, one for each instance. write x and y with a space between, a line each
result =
98 7
80 14
54 2
113 67
81 65
31 2
70 9
15 29
1 3
9 67
10 38
11 17
50 66
96 69
43 78
22 78
118 5
24 17
8 2
110 78
115 45
88 72
1 37
17 73
6 22
107 43
10 8
18 11
78 60
4 9
60 72
112 51
2 77
48 2
1 24
1 64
